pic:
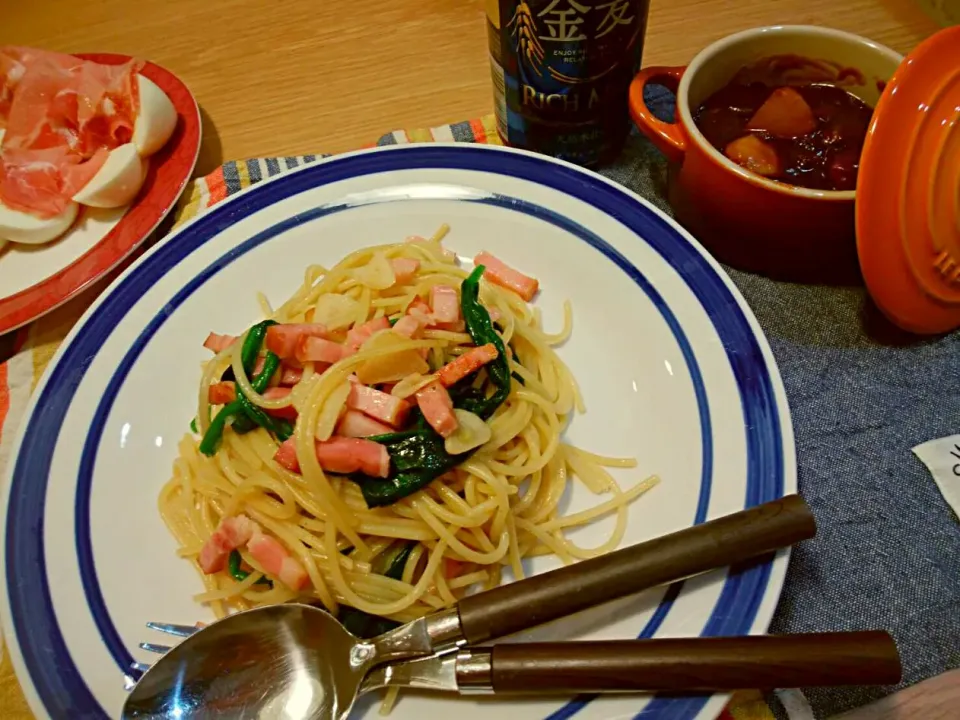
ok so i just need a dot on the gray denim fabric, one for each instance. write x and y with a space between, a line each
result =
862 394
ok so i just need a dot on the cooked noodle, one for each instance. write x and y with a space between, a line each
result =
495 509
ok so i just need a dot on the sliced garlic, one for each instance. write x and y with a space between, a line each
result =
411 384
330 412
377 274
472 432
335 311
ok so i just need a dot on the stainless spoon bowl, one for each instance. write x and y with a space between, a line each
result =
285 661
296 661
280 661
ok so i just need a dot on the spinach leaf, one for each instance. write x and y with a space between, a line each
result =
241 413
417 458
482 331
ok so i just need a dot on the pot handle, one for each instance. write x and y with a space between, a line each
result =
669 137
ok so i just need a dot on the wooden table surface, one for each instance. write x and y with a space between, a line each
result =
303 76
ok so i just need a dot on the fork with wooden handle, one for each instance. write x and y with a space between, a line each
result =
670 665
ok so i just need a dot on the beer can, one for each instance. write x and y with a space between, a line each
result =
561 73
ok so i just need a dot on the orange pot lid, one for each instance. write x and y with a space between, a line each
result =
908 191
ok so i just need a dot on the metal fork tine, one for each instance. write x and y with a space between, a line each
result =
153 647
171 629
168 628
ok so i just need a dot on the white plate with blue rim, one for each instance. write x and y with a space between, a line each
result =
673 367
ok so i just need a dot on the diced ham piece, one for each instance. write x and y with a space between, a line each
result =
286 456
444 303
287 413
451 568
277 561
348 455
437 408
222 393
317 349
471 361
341 455
754 154
355 424
218 343
785 114
378 405
499 273
458 326
290 375
361 333
232 533
410 326
284 339
405 269
494 314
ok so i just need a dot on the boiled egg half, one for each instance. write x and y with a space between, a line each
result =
117 181
22 227
155 121
16 226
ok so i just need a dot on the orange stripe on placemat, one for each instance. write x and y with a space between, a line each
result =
479 132
4 395
216 186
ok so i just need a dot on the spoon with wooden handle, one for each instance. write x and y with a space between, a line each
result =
274 649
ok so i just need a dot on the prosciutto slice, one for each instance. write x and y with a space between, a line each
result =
61 116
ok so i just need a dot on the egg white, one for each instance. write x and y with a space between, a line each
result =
22 227
117 182
156 120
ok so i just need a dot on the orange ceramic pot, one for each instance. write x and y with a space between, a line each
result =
746 220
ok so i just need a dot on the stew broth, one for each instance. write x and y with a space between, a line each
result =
809 135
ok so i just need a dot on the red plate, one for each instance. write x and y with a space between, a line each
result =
169 171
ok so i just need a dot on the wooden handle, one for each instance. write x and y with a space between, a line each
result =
724 541
697 665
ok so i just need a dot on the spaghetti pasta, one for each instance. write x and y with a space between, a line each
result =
282 478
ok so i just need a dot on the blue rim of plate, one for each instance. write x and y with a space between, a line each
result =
58 682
